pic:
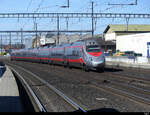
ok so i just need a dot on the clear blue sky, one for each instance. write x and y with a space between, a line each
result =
13 6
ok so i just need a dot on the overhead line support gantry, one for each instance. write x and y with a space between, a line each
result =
73 15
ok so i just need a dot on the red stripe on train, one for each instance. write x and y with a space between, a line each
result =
95 53
27 57
76 60
44 58
55 59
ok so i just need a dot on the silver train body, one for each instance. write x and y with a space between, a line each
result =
86 54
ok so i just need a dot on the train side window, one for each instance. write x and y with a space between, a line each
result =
78 54
73 52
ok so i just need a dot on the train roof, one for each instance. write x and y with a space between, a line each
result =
79 42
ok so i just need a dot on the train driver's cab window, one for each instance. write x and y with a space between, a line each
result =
93 48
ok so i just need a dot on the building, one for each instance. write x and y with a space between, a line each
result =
51 39
46 41
113 31
8 48
43 40
28 42
36 42
138 43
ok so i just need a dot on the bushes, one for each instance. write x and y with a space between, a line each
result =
3 53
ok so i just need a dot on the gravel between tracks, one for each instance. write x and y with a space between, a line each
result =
75 83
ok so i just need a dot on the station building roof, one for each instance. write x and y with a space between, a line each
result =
124 29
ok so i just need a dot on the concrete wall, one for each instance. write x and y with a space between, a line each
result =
122 61
136 43
125 59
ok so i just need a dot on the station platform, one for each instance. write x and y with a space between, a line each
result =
129 62
129 65
9 94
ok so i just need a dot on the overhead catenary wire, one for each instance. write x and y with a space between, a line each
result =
37 9
40 8
29 5
30 2
135 3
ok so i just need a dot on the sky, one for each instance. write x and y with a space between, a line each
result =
51 6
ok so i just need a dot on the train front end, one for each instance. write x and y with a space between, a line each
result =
95 55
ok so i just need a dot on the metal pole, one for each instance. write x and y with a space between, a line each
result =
21 38
1 44
105 48
36 33
40 37
92 20
127 20
68 4
57 30
10 40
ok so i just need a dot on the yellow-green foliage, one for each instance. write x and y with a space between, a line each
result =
3 53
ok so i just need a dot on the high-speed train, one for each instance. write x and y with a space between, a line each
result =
86 54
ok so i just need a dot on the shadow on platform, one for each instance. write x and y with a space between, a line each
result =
10 104
2 68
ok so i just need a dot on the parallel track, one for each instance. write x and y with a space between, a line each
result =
62 95
130 96
115 91
36 102
129 78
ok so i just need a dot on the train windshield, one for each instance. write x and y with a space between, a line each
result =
93 48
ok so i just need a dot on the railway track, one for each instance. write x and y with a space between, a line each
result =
124 83
35 101
115 84
59 93
130 74
126 94
112 84
124 90
130 78
119 88
112 87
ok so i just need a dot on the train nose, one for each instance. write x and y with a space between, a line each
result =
98 64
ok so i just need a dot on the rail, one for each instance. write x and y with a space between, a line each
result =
66 98
34 99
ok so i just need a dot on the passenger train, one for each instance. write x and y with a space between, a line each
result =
86 54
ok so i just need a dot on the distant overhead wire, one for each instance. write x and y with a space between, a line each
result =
109 8
30 2
135 3
40 4
47 7
66 6
29 5
36 10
